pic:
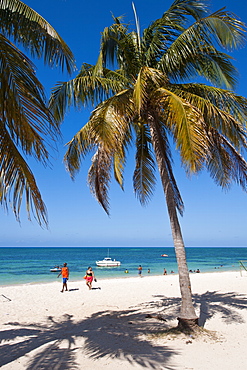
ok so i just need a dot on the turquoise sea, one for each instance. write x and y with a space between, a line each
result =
21 265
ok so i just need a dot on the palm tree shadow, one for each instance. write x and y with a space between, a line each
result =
115 335
112 334
207 304
226 304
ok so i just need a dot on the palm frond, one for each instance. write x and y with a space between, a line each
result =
86 89
158 37
26 27
119 159
148 79
221 109
22 102
193 53
78 147
144 174
225 163
18 181
187 126
120 47
180 9
140 93
99 176
226 29
108 126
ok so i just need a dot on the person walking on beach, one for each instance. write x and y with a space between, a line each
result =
65 275
90 277
140 270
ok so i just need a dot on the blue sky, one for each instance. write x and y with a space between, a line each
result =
212 217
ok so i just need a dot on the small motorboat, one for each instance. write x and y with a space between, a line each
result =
56 269
164 255
108 262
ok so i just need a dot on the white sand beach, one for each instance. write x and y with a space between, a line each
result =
107 328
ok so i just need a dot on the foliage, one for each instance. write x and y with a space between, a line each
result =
26 123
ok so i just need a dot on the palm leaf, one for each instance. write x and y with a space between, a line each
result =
221 109
26 115
144 174
99 176
187 125
225 163
86 89
192 53
17 180
28 28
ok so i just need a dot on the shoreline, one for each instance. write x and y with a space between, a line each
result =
215 271
32 265
107 327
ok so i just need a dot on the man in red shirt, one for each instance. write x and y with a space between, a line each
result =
65 275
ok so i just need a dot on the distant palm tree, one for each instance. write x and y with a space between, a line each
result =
146 96
25 120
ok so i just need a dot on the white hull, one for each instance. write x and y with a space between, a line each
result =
108 262
55 270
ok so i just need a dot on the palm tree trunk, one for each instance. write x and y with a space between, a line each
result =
187 318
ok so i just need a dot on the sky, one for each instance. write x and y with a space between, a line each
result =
212 216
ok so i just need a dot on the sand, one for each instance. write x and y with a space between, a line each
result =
107 328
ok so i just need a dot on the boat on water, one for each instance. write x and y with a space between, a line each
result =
108 262
56 269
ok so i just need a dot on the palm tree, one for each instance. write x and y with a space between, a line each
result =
141 91
26 123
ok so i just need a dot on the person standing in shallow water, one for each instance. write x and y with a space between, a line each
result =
65 275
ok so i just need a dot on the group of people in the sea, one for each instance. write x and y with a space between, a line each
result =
148 271
197 271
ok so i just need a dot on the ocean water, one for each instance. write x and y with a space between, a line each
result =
21 265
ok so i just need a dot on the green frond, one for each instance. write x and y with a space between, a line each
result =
111 36
17 181
120 48
187 126
108 126
225 163
22 102
158 37
81 144
86 89
192 54
180 9
144 174
26 27
227 30
221 109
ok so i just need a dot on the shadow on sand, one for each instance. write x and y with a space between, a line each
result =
111 334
